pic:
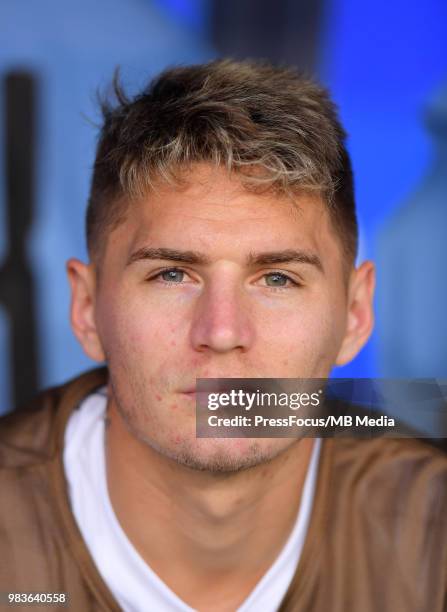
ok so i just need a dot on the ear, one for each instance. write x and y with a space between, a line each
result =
82 312
360 320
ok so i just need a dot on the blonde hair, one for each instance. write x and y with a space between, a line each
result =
272 126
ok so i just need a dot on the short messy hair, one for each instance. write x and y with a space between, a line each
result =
272 126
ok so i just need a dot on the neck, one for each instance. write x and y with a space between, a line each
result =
211 524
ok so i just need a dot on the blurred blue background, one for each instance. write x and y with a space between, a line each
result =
386 66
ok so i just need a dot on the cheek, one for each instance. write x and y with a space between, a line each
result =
146 343
304 339
136 327
143 347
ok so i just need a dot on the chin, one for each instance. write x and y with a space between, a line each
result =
225 455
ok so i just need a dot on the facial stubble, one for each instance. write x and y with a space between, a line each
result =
219 462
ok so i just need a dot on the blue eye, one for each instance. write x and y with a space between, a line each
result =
275 279
172 276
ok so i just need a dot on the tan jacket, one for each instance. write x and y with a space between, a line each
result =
377 540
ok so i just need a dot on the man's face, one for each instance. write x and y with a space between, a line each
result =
214 281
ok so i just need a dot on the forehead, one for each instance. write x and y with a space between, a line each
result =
213 211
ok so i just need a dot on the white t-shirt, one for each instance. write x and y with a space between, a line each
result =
130 579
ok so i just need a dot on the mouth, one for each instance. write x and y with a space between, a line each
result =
190 394
223 385
196 396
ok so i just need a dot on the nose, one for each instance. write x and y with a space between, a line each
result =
222 322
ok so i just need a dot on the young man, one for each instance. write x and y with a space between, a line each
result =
222 237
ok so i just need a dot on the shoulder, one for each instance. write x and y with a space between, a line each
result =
25 435
378 454
392 477
35 512
33 435
378 534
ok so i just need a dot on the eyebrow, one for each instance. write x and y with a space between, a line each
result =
190 257
253 259
287 256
